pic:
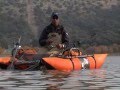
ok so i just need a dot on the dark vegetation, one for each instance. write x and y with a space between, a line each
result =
88 23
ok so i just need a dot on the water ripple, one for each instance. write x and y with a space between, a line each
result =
108 78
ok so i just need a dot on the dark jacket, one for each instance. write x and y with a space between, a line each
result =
52 29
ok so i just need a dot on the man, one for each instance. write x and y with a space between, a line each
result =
54 35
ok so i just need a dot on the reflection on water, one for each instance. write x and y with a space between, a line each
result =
108 78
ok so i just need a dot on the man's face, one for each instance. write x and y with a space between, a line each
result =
55 20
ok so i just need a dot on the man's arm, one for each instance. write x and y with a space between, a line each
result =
43 38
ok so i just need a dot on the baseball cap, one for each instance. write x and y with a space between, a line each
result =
54 15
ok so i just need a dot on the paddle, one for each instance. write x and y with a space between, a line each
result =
14 52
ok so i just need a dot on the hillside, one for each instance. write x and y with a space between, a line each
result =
87 21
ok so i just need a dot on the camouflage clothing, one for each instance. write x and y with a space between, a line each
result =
52 29
55 34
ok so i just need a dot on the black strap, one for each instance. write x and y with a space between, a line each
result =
95 61
72 63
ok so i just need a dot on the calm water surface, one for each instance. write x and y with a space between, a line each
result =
106 78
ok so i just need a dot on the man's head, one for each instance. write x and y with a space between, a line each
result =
55 19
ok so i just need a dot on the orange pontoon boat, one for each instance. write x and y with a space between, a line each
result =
76 63
69 60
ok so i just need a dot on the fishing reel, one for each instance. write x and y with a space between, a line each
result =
16 48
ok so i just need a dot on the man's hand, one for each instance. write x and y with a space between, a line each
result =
60 46
49 42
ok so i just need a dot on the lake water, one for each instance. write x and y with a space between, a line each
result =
106 78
